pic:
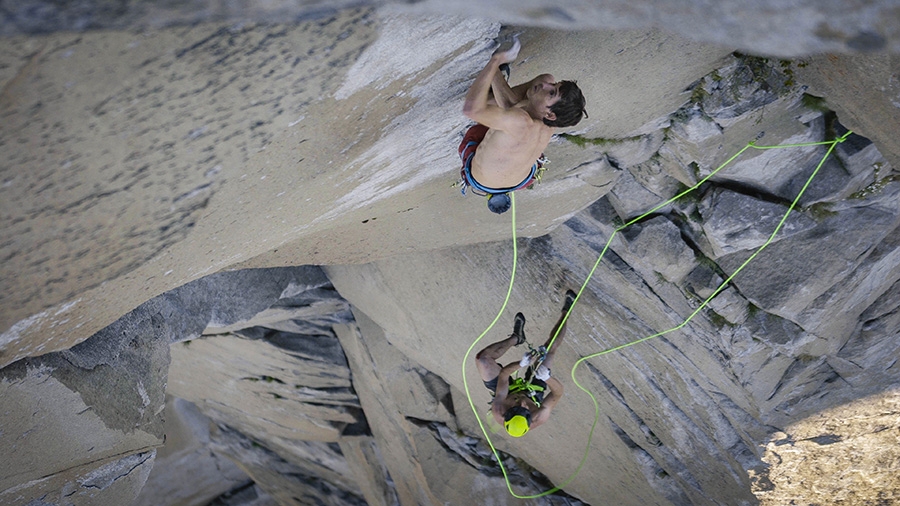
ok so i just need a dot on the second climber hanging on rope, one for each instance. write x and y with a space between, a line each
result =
503 152
523 403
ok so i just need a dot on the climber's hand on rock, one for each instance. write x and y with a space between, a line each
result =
509 55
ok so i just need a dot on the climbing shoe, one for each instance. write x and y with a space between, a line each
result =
570 299
519 329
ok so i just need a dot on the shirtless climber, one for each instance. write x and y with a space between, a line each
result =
518 404
500 154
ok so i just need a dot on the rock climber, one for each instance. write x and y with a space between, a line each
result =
502 152
523 403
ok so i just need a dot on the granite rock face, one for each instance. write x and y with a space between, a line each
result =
98 408
158 136
232 249
346 144
187 453
797 27
82 426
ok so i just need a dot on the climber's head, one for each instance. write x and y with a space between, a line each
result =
517 421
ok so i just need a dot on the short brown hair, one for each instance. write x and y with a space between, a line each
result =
569 109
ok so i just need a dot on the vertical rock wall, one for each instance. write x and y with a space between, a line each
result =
357 395
685 413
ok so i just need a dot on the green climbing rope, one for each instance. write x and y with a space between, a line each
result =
831 145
